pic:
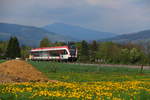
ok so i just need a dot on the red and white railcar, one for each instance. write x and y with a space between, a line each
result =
60 53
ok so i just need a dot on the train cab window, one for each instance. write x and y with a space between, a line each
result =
65 52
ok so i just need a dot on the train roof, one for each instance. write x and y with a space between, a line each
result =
49 48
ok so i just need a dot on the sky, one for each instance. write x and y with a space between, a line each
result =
117 16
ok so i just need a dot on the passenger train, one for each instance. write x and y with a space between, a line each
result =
58 53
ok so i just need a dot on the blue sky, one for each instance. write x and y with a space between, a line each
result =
117 16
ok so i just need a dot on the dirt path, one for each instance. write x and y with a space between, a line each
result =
19 71
114 65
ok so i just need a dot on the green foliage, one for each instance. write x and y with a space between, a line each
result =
135 55
10 48
108 52
1 61
45 42
59 44
78 46
17 51
25 51
84 51
3 47
13 48
124 56
93 50
144 95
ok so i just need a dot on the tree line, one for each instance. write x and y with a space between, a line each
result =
11 49
109 52
89 52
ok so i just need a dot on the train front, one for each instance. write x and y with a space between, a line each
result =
73 53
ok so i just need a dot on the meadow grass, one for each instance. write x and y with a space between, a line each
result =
1 61
81 82
81 73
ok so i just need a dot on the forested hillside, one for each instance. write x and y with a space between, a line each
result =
28 35
138 37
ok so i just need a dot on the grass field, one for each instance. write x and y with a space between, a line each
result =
81 82
85 73
1 61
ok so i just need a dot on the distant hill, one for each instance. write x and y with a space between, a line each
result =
138 37
28 35
77 32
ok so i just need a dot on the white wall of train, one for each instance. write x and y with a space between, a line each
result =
63 53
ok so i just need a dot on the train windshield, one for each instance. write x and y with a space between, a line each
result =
72 50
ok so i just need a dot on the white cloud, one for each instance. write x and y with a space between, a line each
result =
104 3
109 3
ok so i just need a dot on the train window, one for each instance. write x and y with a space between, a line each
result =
40 54
54 53
58 52
36 54
44 54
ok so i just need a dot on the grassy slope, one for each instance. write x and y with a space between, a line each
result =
1 61
78 73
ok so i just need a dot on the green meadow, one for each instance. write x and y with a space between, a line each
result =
83 73
1 61
81 82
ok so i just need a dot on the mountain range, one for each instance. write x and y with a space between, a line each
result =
78 32
28 35
141 37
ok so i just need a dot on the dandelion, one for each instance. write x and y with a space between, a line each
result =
83 90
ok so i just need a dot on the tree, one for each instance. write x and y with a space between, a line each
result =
108 52
9 52
0 53
17 50
13 48
84 52
124 56
25 51
59 43
78 46
93 50
104 52
135 55
45 42
3 47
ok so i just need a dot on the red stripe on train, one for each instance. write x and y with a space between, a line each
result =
50 48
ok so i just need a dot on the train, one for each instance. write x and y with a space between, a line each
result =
57 53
